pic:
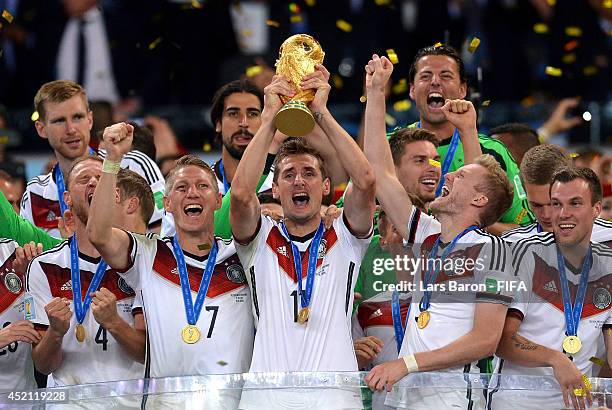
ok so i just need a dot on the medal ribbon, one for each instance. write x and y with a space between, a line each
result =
61 187
313 254
193 310
572 314
81 307
397 319
222 171
448 160
538 227
431 275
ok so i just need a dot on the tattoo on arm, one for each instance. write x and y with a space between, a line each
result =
318 116
522 343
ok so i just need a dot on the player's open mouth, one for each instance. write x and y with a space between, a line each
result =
445 191
301 199
567 227
430 182
435 100
193 210
89 198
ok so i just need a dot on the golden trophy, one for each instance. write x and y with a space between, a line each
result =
297 58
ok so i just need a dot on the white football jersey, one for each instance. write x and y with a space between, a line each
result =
324 343
602 232
479 260
374 317
540 309
16 367
100 357
40 204
267 184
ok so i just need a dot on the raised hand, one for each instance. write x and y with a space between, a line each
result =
59 314
104 307
319 81
20 331
23 256
378 71
279 86
461 114
118 140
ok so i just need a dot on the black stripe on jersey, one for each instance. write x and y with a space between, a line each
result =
520 248
603 223
600 249
468 393
254 290
6 240
496 389
147 372
414 224
498 251
42 180
348 286
56 248
520 229
145 163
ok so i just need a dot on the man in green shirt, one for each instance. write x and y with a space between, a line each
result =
438 74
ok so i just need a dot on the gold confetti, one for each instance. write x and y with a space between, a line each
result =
553 71
486 103
196 4
392 56
311 3
4 139
403 105
222 363
474 45
590 70
400 87
382 2
7 16
569 46
438 44
206 147
540 28
204 246
155 43
338 81
607 4
574 155
35 116
390 120
435 163
587 384
573 31
363 99
294 8
569 58
247 33
344 25
597 361
551 2
272 23
253 70
295 19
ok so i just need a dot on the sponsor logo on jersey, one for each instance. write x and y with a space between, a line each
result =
174 271
322 249
125 288
235 273
282 250
12 282
51 216
551 286
376 313
601 298
67 286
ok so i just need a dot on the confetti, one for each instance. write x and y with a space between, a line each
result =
311 3
392 56
7 16
590 70
222 363
435 163
295 19
597 361
587 384
382 2
474 45
553 71
486 103
540 28
363 99
569 46
574 155
403 105
35 116
253 70
272 23
551 2
400 87
528 102
155 43
607 4
338 81
390 121
294 8
4 139
204 246
438 44
569 58
573 31
344 26
196 4
247 33
206 147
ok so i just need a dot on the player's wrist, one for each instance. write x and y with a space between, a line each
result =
111 166
411 364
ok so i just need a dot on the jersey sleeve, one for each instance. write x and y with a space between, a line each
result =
137 304
420 227
25 209
493 273
357 245
37 287
248 253
142 253
356 329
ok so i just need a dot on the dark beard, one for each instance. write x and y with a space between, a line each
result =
234 152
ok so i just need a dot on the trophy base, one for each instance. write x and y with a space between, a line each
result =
294 119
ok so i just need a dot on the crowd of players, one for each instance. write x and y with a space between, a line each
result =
243 280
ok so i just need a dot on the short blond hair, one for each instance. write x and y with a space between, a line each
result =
56 92
496 187
190 160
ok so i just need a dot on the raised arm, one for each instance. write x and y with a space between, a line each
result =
244 210
389 191
112 243
462 115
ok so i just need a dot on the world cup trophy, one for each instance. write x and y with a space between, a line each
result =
297 58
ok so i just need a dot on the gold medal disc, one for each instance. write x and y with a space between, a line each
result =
572 344
190 334
303 315
423 319
80 333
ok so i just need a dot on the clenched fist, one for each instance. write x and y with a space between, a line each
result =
118 140
104 308
59 314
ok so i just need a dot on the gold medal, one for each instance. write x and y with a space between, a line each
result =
80 333
423 319
572 344
190 334
303 315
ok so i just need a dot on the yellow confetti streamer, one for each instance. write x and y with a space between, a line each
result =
253 70
435 163
363 99
486 103
573 31
590 70
553 71
7 16
438 44
474 45
295 19
607 4
392 56
344 25
400 87
204 246
597 361
272 23
403 105
540 28
294 8
551 2
587 384
569 58
155 43
35 116
574 155
338 81
390 121
196 4
222 363
311 3
382 2
206 147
